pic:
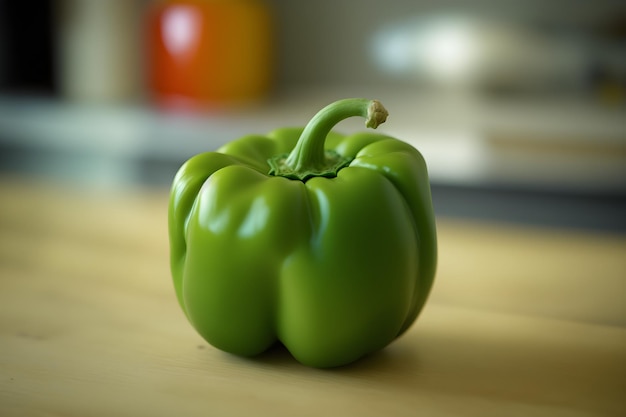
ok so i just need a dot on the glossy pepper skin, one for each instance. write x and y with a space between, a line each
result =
323 242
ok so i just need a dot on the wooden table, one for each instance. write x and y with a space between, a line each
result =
521 322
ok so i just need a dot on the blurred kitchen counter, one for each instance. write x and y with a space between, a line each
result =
570 143
522 322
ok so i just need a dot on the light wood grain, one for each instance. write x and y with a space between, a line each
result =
521 322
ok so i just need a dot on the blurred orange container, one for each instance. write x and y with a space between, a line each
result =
209 52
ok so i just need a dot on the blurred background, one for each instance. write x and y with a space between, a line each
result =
518 106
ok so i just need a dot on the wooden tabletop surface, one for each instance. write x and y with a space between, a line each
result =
522 321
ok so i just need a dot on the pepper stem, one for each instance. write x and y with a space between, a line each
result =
308 158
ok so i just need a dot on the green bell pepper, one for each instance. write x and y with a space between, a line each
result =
324 243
